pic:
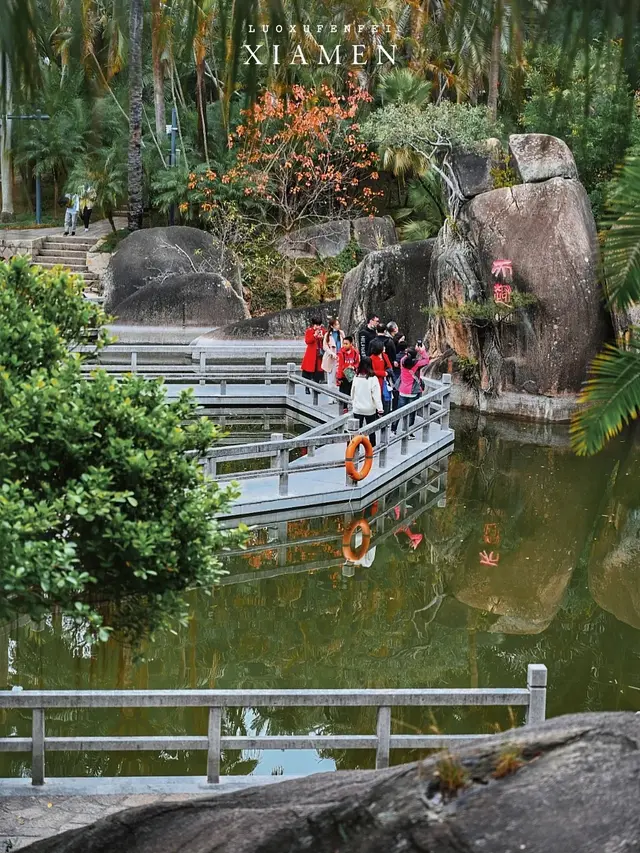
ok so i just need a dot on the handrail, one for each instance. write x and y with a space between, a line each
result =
533 697
433 408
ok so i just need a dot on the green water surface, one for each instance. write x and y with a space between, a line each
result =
534 558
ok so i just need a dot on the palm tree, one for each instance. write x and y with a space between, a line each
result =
159 34
611 395
136 207
6 153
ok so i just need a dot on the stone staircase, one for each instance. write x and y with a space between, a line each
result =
69 252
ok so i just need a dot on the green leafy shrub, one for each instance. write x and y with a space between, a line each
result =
99 500
504 175
484 311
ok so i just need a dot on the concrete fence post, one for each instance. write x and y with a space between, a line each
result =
283 468
383 732
214 752
134 361
537 686
274 460
384 444
223 387
203 361
446 399
267 367
291 386
37 747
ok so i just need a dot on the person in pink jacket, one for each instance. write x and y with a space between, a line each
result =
410 388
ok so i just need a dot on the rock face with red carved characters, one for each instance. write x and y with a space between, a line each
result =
537 238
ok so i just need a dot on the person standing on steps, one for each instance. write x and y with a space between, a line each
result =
72 206
366 334
87 200
366 396
312 361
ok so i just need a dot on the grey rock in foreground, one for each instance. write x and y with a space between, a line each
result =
573 788
539 157
393 283
147 261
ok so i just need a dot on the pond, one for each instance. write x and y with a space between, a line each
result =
535 558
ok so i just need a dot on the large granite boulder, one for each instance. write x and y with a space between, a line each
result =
325 240
181 265
538 157
329 239
475 169
393 283
191 299
287 324
372 233
547 230
569 785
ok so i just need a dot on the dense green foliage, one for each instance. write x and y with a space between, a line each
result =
592 109
99 500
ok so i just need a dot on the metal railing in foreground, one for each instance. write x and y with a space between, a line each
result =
533 697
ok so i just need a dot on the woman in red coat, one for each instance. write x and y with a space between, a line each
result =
312 361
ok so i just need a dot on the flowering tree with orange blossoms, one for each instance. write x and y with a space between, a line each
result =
300 156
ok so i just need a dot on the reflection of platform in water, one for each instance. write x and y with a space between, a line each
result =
393 512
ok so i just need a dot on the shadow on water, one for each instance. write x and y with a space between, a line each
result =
534 556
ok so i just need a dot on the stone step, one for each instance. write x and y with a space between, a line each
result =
79 268
57 251
65 260
79 242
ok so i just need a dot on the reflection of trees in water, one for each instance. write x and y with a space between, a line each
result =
382 627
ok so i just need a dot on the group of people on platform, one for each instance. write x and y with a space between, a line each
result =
378 370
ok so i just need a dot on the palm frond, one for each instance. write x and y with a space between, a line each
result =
610 397
622 245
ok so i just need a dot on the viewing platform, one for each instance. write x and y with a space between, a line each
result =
291 475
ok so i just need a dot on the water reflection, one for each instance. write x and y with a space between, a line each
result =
533 556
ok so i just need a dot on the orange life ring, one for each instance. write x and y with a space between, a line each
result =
354 444
347 550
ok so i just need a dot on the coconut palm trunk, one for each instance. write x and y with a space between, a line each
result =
135 115
494 67
6 159
158 71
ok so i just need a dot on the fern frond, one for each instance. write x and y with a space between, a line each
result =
610 397
622 244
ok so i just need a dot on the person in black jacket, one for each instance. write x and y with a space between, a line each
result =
367 334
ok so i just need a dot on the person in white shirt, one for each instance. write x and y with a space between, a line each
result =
366 395
72 208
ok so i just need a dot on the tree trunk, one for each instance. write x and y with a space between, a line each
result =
494 68
136 208
288 273
158 71
201 101
6 158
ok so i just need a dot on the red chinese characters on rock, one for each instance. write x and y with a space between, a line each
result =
502 293
502 269
491 535
489 559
